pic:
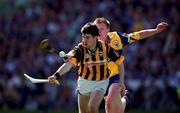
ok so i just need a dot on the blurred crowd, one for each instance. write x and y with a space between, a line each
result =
152 66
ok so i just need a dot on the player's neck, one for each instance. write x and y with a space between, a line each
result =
93 48
104 39
107 40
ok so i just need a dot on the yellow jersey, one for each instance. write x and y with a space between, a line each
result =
117 41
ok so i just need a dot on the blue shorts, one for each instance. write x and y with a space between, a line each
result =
113 79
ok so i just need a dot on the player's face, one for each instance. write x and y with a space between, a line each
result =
88 41
103 30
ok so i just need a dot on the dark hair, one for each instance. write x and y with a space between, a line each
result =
90 28
103 20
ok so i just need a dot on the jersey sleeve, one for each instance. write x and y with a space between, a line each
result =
113 66
120 60
135 36
128 38
76 56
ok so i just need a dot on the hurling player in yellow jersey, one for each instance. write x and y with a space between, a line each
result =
91 56
117 40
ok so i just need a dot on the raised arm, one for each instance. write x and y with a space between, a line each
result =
150 32
73 60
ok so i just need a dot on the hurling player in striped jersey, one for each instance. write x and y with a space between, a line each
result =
90 57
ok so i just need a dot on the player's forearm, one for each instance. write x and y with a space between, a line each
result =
66 67
121 72
147 33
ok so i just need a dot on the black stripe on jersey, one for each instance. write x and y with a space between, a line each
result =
88 71
108 48
101 50
101 72
87 74
101 58
94 67
108 73
82 64
124 38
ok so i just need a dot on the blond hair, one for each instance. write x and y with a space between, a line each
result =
102 20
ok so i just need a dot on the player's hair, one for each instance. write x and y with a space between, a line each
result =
90 28
102 20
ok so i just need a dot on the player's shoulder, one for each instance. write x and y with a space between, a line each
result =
79 46
115 40
116 34
100 41
101 44
112 34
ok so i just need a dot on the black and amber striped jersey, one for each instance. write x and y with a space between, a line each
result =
117 41
93 65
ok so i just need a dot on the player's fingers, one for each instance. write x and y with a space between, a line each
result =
51 79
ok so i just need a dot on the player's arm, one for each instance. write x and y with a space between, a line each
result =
121 76
135 36
150 32
121 72
66 67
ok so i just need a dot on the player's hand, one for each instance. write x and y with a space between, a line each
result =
52 79
67 58
162 26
